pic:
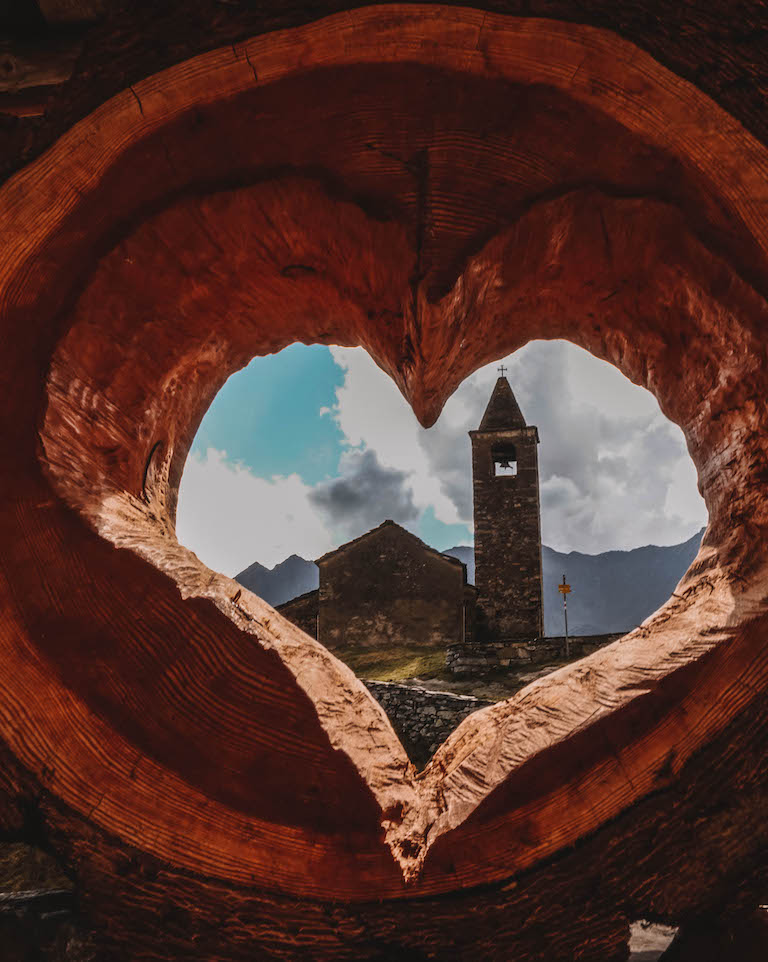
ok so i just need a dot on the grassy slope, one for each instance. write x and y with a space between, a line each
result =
414 664
393 664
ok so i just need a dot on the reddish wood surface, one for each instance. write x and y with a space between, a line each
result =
424 182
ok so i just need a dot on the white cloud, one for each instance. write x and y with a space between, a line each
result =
682 499
230 518
614 472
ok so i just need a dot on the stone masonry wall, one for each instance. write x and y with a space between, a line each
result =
423 719
387 588
482 658
302 611
507 539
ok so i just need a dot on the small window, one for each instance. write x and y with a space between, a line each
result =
504 461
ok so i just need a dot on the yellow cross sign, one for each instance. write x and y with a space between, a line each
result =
564 589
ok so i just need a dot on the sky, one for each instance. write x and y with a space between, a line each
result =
306 449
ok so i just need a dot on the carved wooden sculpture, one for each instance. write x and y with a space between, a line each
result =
438 185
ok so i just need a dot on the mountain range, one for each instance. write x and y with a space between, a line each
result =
276 585
612 591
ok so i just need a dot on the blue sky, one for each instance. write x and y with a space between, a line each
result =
303 450
268 415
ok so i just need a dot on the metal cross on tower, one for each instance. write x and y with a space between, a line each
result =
502 369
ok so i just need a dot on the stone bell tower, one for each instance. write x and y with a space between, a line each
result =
505 478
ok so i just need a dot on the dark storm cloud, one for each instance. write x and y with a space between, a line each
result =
366 494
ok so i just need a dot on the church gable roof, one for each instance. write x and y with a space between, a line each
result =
503 412
400 530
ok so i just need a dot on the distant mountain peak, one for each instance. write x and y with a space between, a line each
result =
292 559
292 577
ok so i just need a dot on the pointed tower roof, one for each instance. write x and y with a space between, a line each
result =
503 412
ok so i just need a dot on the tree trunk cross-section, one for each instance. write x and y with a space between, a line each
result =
451 184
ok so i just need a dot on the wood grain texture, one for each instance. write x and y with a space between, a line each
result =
422 181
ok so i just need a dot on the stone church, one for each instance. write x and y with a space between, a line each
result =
387 587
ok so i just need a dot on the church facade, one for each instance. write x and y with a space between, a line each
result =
388 587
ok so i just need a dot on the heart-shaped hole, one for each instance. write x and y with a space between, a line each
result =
313 451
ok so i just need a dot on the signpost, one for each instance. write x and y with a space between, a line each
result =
564 590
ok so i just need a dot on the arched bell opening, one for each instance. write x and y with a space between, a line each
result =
504 461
